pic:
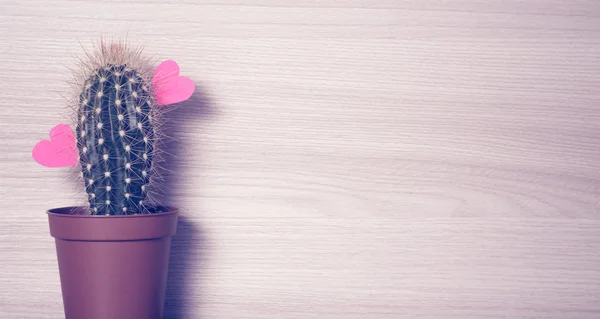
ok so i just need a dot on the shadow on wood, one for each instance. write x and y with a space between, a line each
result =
188 249
187 260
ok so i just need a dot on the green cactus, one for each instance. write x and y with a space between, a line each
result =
115 133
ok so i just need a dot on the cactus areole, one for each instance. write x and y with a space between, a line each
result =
115 139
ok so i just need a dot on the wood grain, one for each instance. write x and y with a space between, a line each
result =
342 159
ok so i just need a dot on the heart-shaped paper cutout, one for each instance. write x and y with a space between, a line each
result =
169 86
59 151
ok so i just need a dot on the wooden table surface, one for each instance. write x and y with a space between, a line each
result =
346 159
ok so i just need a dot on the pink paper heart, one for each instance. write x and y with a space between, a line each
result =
59 151
169 86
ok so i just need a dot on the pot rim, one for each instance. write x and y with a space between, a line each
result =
66 213
87 227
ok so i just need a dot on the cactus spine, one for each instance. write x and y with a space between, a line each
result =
115 138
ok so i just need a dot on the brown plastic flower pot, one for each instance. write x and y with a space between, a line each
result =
113 267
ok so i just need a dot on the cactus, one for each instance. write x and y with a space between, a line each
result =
116 132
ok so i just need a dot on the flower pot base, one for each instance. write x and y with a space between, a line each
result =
113 266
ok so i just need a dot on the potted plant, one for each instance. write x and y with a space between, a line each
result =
113 252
